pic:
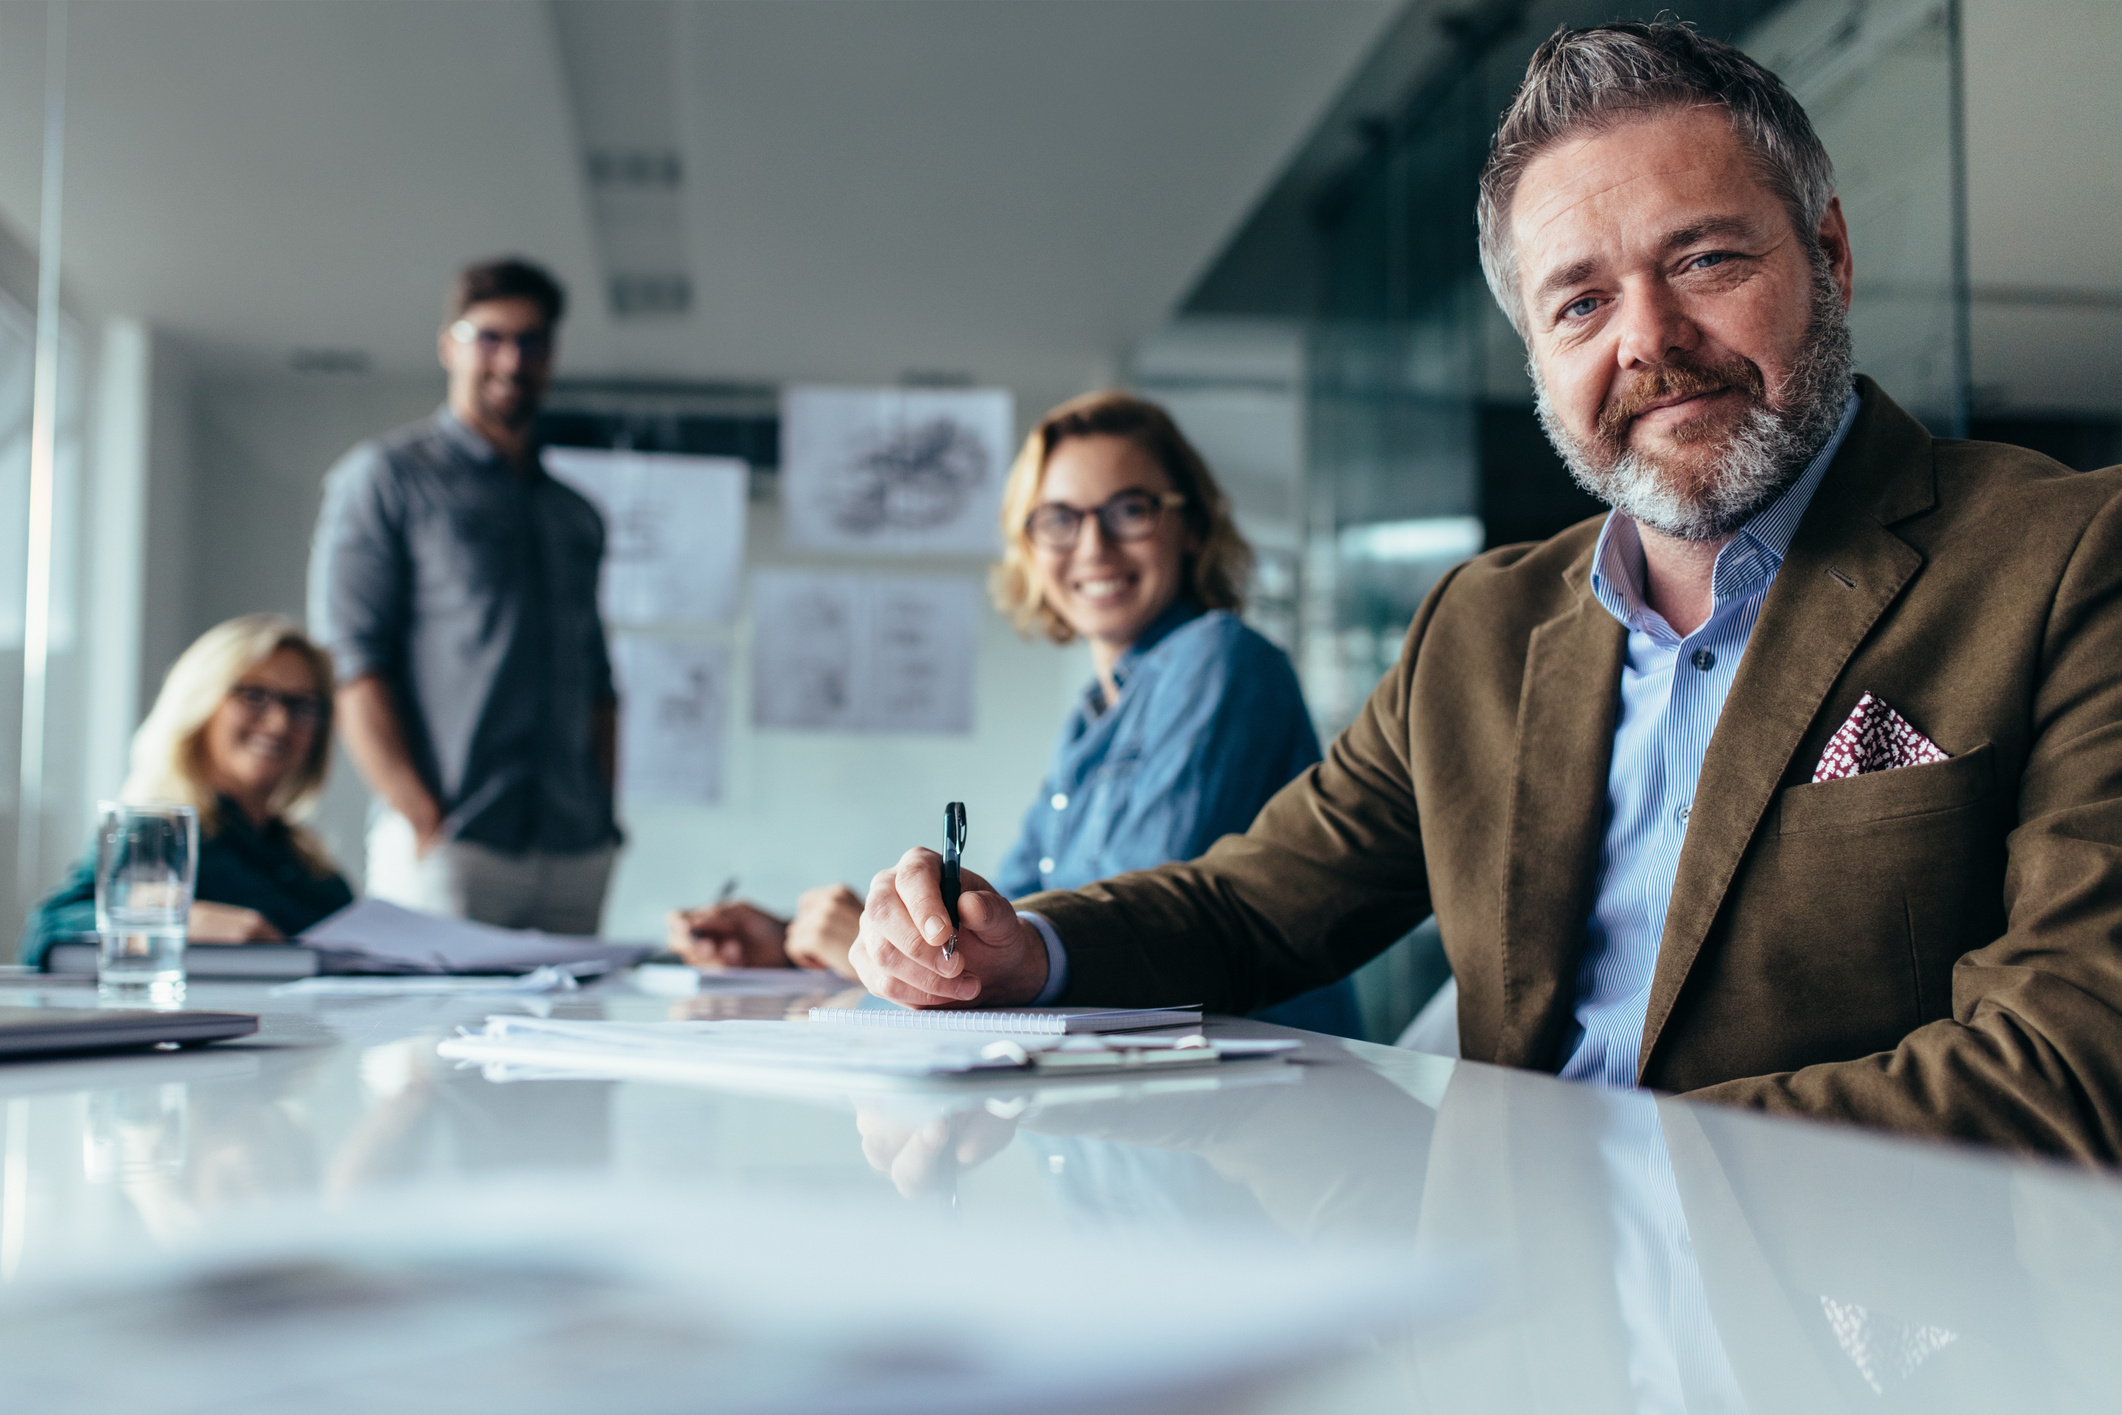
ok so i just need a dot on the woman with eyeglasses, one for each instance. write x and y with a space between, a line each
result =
1115 534
241 731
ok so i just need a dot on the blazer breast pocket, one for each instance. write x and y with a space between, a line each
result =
1901 793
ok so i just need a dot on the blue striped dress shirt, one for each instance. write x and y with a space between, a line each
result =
1672 689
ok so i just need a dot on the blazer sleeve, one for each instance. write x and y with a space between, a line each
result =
2029 1058
1231 730
1329 875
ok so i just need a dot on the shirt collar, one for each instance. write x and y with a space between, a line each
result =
1744 566
233 822
1180 611
472 443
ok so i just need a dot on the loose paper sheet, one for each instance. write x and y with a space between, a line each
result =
379 936
674 531
674 705
863 653
895 471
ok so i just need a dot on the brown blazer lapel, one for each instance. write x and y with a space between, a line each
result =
1843 569
1566 715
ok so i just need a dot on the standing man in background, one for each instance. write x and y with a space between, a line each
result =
455 583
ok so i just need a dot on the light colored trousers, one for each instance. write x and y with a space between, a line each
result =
539 889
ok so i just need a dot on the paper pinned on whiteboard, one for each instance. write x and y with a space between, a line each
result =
863 653
674 706
895 471
674 531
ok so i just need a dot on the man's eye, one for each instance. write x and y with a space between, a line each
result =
1580 309
1705 261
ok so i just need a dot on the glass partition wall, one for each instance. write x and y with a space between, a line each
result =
1419 445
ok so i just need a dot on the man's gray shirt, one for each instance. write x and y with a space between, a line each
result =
470 589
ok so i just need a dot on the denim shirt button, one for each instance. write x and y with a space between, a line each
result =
1060 801
1046 865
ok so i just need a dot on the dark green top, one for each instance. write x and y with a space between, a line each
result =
239 864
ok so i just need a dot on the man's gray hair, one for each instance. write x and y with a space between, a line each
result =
1582 81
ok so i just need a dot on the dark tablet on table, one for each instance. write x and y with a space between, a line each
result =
47 1031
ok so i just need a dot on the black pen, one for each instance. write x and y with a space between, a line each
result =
953 855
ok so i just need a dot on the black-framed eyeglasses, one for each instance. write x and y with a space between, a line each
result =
532 345
1130 515
302 710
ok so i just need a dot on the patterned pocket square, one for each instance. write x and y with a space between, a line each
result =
1876 738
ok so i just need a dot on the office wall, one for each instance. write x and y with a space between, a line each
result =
807 808
236 478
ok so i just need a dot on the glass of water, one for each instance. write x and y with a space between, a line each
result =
147 861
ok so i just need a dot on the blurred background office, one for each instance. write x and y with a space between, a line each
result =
1258 212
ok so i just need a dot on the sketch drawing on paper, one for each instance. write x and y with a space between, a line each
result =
804 644
896 471
863 653
913 478
674 698
673 531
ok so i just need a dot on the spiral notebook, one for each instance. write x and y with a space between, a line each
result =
1034 1021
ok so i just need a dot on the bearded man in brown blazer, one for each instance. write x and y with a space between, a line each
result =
1793 783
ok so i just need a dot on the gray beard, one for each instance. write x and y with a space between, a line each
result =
1764 457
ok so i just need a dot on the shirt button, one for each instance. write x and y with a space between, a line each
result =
1060 800
1046 865
1705 660
1681 814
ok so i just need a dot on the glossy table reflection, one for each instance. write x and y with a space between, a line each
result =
1639 1253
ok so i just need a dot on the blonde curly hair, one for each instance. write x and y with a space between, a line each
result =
1215 575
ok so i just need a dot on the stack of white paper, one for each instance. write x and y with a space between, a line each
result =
798 1055
538 980
371 936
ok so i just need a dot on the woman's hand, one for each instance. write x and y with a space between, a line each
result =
822 935
226 923
1000 959
736 935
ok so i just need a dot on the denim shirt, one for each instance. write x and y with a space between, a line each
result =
1673 690
1210 724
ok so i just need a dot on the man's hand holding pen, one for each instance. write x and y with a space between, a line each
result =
898 955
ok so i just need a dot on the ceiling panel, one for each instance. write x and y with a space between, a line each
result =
1004 188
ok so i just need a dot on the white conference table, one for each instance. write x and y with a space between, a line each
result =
1605 1251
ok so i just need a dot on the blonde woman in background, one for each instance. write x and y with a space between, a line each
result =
242 732
1114 534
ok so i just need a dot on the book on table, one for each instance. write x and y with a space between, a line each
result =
373 936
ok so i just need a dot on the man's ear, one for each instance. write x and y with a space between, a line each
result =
1833 237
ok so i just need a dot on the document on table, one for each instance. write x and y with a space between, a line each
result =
538 980
750 1050
372 936
684 980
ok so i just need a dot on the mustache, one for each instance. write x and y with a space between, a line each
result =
1681 376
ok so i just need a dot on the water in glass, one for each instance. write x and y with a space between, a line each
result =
147 861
